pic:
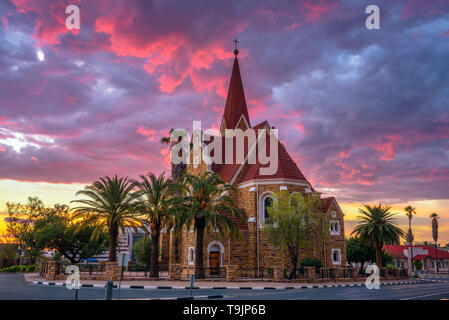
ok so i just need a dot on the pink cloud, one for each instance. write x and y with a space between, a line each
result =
150 134
317 10
50 23
423 8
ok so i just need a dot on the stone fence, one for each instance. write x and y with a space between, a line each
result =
54 270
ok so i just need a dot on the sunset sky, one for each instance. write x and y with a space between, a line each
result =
364 113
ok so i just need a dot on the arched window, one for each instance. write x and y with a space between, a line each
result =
334 227
336 256
265 201
191 256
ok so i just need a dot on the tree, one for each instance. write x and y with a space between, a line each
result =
207 205
112 204
409 212
177 170
20 222
56 230
377 227
435 218
156 206
359 251
418 264
292 223
8 253
142 251
310 262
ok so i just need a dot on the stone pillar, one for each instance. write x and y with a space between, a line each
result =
174 271
397 273
42 268
335 271
231 273
405 273
310 273
278 274
52 270
112 271
354 272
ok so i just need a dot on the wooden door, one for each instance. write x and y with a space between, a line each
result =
214 262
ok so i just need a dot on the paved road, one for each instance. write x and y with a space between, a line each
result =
13 286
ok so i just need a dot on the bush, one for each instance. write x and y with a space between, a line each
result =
309 262
15 269
31 268
142 252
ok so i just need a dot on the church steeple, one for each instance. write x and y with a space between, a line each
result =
235 113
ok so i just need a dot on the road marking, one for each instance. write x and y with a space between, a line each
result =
425 295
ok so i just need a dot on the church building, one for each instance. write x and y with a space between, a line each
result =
253 196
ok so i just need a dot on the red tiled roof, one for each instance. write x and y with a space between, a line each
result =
395 249
235 108
235 103
419 257
441 253
286 167
399 249
260 125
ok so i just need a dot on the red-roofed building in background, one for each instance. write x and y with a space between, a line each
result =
254 192
429 256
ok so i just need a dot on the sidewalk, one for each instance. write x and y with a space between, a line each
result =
163 284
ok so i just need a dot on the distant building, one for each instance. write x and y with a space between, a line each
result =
125 244
427 254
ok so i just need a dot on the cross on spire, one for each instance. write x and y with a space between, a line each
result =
236 52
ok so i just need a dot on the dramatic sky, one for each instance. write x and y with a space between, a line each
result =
364 113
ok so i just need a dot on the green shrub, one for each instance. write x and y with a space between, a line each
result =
309 262
15 269
32 268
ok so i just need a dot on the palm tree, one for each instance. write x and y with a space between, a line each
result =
377 227
177 170
208 205
435 218
111 204
410 211
156 192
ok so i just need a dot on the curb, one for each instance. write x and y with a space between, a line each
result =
218 296
127 286
433 280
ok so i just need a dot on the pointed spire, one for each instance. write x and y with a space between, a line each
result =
235 103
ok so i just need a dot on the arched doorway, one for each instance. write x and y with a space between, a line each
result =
215 251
